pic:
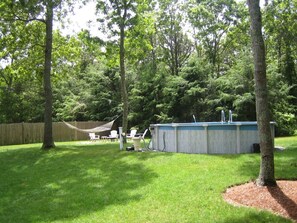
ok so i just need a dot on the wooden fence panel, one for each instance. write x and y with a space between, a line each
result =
22 133
33 132
62 133
11 134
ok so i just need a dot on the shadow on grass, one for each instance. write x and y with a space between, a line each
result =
256 218
67 182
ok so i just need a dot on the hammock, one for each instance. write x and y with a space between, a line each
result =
101 128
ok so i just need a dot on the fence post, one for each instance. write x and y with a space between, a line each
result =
121 138
23 133
75 131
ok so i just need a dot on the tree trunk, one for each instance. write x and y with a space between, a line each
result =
123 80
266 175
48 141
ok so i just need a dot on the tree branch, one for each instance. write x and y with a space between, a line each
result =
17 18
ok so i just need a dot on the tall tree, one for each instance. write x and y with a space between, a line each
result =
41 11
266 175
48 140
119 16
211 21
174 42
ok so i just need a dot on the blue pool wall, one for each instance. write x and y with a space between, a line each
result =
206 137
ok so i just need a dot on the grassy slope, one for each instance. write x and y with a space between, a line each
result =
98 183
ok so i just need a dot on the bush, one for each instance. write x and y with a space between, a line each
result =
286 124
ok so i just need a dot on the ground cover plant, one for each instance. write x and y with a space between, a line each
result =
95 182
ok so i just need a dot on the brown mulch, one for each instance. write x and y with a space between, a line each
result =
281 199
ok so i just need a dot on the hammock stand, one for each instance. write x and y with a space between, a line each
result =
101 128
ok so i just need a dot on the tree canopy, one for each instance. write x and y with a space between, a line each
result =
181 58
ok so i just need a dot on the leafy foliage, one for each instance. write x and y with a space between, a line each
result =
167 81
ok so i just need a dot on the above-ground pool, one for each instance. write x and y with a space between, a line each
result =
206 137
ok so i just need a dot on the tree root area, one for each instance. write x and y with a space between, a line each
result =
281 199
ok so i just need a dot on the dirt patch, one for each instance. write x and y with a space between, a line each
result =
281 199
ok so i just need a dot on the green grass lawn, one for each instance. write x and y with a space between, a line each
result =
98 183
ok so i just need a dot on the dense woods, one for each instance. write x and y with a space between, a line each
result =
162 61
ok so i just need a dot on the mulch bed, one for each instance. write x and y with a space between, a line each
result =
281 199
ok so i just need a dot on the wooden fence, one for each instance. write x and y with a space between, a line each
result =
22 133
